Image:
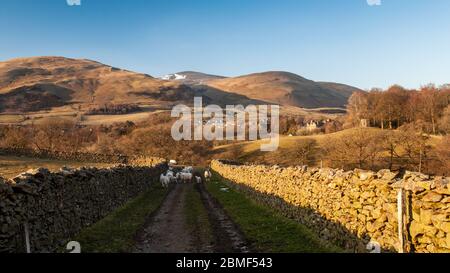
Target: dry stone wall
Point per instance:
(56, 206)
(81, 157)
(353, 208)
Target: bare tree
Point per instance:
(443, 153)
(391, 144)
(14, 137)
(444, 122)
(306, 151)
(357, 148)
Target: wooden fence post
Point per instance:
(401, 247)
(403, 207)
(27, 238)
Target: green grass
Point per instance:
(265, 229)
(197, 219)
(116, 232)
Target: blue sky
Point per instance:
(400, 41)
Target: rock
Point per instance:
(431, 248)
(415, 176)
(24, 187)
(424, 240)
(368, 194)
(430, 231)
(432, 197)
(416, 229)
(443, 191)
(376, 213)
(425, 216)
(357, 205)
(440, 182)
(366, 175)
(426, 185)
(447, 241)
(445, 227)
(386, 175)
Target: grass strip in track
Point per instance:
(266, 230)
(197, 219)
(116, 232)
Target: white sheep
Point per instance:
(165, 181)
(208, 175)
(170, 174)
(186, 177)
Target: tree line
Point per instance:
(397, 106)
(151, 138)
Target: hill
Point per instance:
(286, 88)
(30, 85)
(33, 84)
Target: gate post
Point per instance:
(403, 208)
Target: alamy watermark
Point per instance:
(236, 122)
(73, 2)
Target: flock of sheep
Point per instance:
(186, 175)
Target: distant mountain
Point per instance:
(40, 83)
(286, 88)
(32, 84)
(191, 77)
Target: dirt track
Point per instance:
(167, 230)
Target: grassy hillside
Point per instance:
(287, 152)
(32, 84)
(286, 89)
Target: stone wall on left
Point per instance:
(53, 207)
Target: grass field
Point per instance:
(264, 228)
(11, 119)
(67, 113)
(116, 232)
(109, 119)
(11, 166)
(285, 155)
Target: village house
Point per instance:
(314, 125)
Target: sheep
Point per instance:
(208, 175)
(170, 174)
(186, 177)
(165, 181)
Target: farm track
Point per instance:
(168, 230)
(228, 236)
